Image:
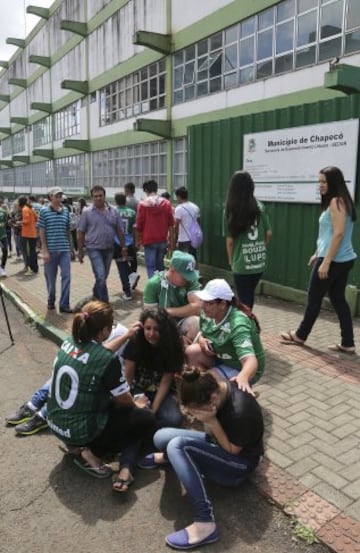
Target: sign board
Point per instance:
(285, 163)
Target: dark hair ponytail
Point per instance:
(93, 317)
(196, 386)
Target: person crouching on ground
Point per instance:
(90, 406)
(229, 339)
(226, 453)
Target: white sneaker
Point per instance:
(126, 297)
(133, 280)
(3, 272)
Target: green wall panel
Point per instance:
(215, 151)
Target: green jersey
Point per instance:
(249, 254)
(85, 376)
(128, 217)
(158, 291)
(234, 338)
(4, 216)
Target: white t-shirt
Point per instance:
(185, 213)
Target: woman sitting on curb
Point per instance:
(226, 453)
(90, 407)
(229, 338)
(151, 358)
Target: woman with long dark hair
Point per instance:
(332, 261)
(151, 358)
(226, 452)
(248, 232)
(90, 407)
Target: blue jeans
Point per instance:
(39, 399)
(194, 457)
(154, 257)
(168, 414)
(100, 264)
(62, 260)
(335, 286)
(245, 287)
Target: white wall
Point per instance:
(186, 12)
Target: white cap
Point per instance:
(216, 289)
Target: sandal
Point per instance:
(290, 337)
(342, 349)
(102, 471)
(125, 483)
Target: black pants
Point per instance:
(29, 250)
(335, 286)
(125, 430)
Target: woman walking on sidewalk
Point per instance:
(332, 261)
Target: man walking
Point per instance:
(129, 278)
(185, 213)
(98, 226)
(54, 227)
(154, 225)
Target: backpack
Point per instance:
(196, 234)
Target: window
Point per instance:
(179, 163)
(137, 93)
(42, 132)
(290, 35)
(67, 121)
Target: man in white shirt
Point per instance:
(185, 213)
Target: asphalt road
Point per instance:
(49, 506)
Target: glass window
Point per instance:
(304, 5)
(202, 47)
(285, 10)
(265, 44)
(247, 27)
(203, 88)
(230, 80)
(189, 73)
(246, 75)
(178, 58)
(190, 53)
(216, 41)
(307, 28)
(330, 49)
(284, 37)
(189, 92)
(305, 57)
(231, 34)
(178, 76)
(353, 14)
(265, 19)
(264, 69)
(331, 19)
(231, 57)
(247, 51)
(352, 42)
(284, 63)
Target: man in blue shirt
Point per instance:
(98, 226)
(54, 229)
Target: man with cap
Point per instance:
(174, 290)
(229, 339)
(54, 229)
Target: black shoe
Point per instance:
(65, 310)
(32, 426)
(50, 306)
(24, 413)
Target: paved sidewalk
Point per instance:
(310, 399)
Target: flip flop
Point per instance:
(125, 483)
(342, 349)
(290, 337)
(97, 472)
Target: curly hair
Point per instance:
(242, 210)
(170, 345)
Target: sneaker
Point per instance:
(28, 272)
(2, 272)
(133, 280)
(24, 413)
(67, 310)
(32, 426)
(126, 297)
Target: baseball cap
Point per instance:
(184, 263)
(216, 289)
(55, 190)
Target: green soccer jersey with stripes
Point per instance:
(85, 377)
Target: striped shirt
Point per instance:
(56, 225)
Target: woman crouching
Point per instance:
(226, 452)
